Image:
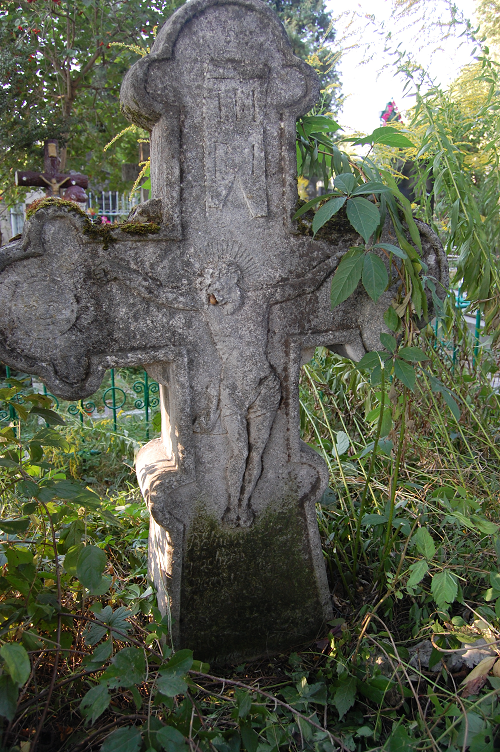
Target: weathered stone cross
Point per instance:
(51, 179)
(221, 305)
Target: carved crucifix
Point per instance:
(222, 305)
(51, 179)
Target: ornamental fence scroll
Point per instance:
(118, 401)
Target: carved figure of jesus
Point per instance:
(236, 309)
(250, 390)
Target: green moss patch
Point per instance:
(139, 228)
(43, 203)
(248, 592)
(104, 233)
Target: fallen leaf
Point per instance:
(482, 669)
(474, 686)
(496, 669)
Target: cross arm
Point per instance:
(41, 180)
(148, 287)
(64, 319)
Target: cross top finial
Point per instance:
(221, 91)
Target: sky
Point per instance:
(366, 86)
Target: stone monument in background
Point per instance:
(211, 287)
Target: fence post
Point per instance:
(12, 412)
(146, 402)
(113, 397)
(146, 388)
(476, 336)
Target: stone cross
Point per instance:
(51, 179)
(214, 289)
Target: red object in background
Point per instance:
(75, 193)
(390, 114)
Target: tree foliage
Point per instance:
(309, 26)
(61, 65)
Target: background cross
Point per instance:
(51, 179)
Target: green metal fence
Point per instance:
(140, 398)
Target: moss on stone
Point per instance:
(105, 233)
(139, 228)
(248, 592)
(102, 233)
(43, 203)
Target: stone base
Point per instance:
(244, 592)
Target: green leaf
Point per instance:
(386, 135)
(317, 124)
(372, 186)
(8, 463)
(243, 702)
(49, 437)
(389, 342)
(374, 519)
(405, 373)
(342, 442)
(424, 542)
(345, 696)
(11, 527)
(326, 212)
(95, 702)
(180, 663)
(17, 662)
(347, 276)
(436, 386)
(115, 619)
(369, 360)
(363, 216)
(451, 403)
(136, 695)
(413, 354)
(390, 248)
(375, 277)
(386, 426)
(128, 739)
(128, 667)
(485, 526)
(99, 656)
(249, 737)
(90, 566)
(170, 685)
(454, 216)
(399, 741)
(418, 572)
(171, 679)
(345, 182)
(49, 416)
(171, 739)
(444, 588)
(8, 697)
(316, 200)
(71, 559)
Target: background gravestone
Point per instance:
(211, 286)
